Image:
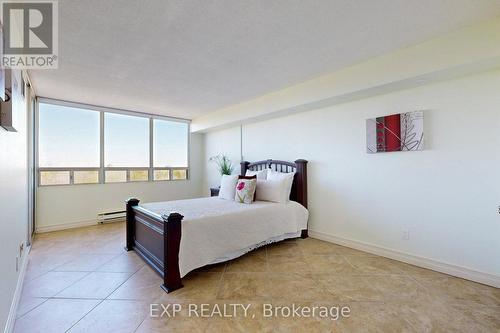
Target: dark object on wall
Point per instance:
(2, 70)
(397, 132)
(157, 240)
(8, 117)
(2, 84)
(23, 87)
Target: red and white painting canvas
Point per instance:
(397, 132)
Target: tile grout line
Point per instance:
(219, 283)
(46, 299)
(84, 276)
(142, 321)
(121, 284)
(132, 275)
(50, 270)
(115, 256)
(101, 300)
(84, 316)
(89, 272)
(81, 278)
(57, 293)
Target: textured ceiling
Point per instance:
(185, 58)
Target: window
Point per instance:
(170, 144)
(81, 144)
(68, 137)
(126, 141)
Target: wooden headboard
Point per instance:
(299, 187)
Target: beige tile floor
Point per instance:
(82, 280)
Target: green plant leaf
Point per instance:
(223, 163)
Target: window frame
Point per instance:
(102, 169)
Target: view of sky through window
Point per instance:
(126, 141)
(68, 137)
(170, 144)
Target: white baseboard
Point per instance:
(11, 319)
(64, 226)
(450, 269)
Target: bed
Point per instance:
(176, 237)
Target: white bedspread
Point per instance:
(213, 228)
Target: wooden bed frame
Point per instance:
(157, 239)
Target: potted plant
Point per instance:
(223, 163)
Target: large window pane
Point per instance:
(68, 137)
(126, 141)
(170, 143)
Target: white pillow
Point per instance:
(261, 174)
(286, 177)
(228, 187)
(271, 190)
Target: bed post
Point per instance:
(172, 242)
(244, 167)
(301, 170)
(130, 227)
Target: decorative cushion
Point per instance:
(228, 187)
(271, 190)
(287, 177)
(249, 177)
(245, 189)
(261, 174)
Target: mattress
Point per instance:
(215, 229)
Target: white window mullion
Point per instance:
(101, 166)
(151, 150)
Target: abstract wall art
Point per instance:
(397, 132)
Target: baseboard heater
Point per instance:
(110, 217)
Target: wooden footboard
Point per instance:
(157, 240)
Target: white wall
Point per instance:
(65, 206)
(225, 142)
(446, 196)
(13, 201)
